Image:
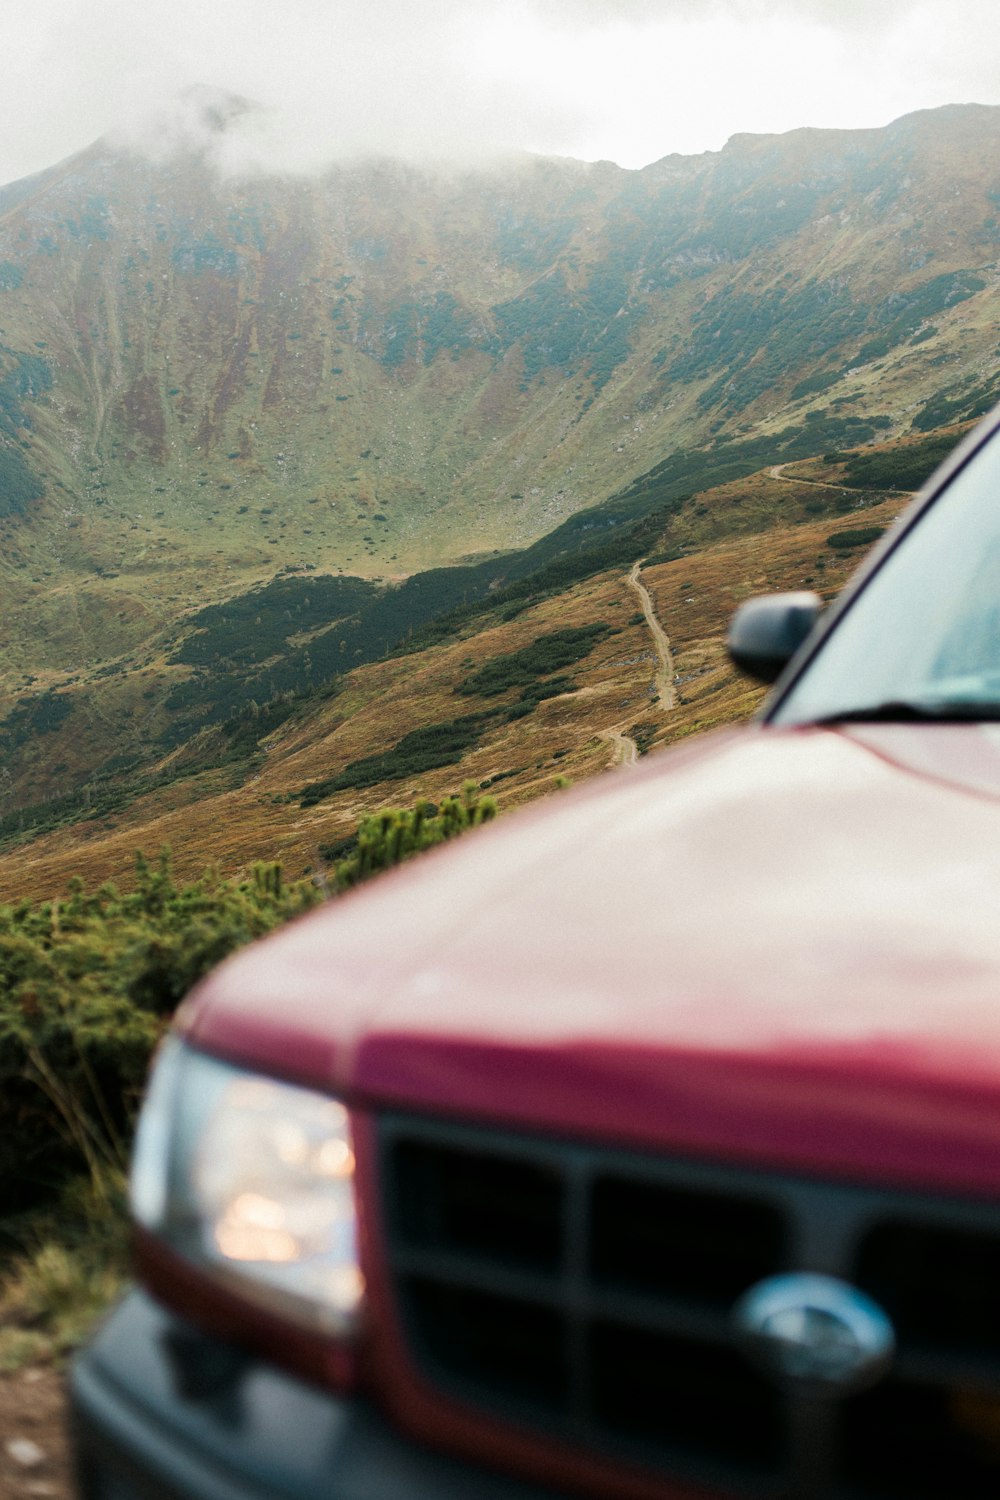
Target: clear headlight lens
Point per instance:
(254, 1180)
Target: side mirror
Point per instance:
(765, 633)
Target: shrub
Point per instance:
(88, 984)
(861, 536)
(390, 837)
(425, 749)
(549, 653)
(903, 468)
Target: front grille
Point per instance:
(584, 1294)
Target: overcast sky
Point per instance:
(626, 80)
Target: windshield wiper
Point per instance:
(915, 711)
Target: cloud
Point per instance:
(852, 15)
(627, 79)
(335, 79)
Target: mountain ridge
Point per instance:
(210, 385)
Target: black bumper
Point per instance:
(160, 1412)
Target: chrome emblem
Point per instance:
(814, 1334)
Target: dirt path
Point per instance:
(777, 471)
(666, 693)
(34, 1460)
(626, 749)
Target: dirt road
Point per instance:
(666, 693)
(777, 471)
(626, 749)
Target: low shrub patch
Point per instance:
(520, 669)
(861, 536)
(425, 749)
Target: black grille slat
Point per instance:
(655, 1388)
(902, 1441)
(472, 1276)
(585, 1293)
(683, 1244)
(939, 1284)
(479, 1204)
(507, 1348)
(586, 1300)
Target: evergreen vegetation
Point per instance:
(554, 325)
(88, 984)
(903, 468)
(859, 536)
(22, 377)
(753, 341)
(688, 471)
(547, 654)
(425, 749)
(443, 744)
(390, 837)
(243, 650)
(959, 404)
(18, 485)
(33, 716)
(258, 625)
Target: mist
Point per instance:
(472, 80)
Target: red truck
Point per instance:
(644, 1145)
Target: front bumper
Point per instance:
(162, 1412)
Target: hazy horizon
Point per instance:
(629, 81)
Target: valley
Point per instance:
(285, 464)
(251, 805)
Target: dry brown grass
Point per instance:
(696, 595)
(208, 821)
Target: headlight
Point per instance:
(253, 1180)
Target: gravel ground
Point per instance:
(34, 1458)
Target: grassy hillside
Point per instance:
(265, 444)
(205, 381)
(220, 678)
(512, 692)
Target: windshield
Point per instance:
(923, 637)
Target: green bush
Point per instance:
(86, 986)
(861, 536)
(903, 468)
(426, 749)
(549, 653)
(392, 836)
(89, 982)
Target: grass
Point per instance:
(521, 669)
(69, 1246)
(720, 547)
(68, 1268)
(58, 1279)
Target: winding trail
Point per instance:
(626, 751)
(625, 747)
(666, 693)
(777, 471)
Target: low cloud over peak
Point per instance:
(466, 80)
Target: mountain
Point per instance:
(556, 676)
(236, 412)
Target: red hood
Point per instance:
(784, 943)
